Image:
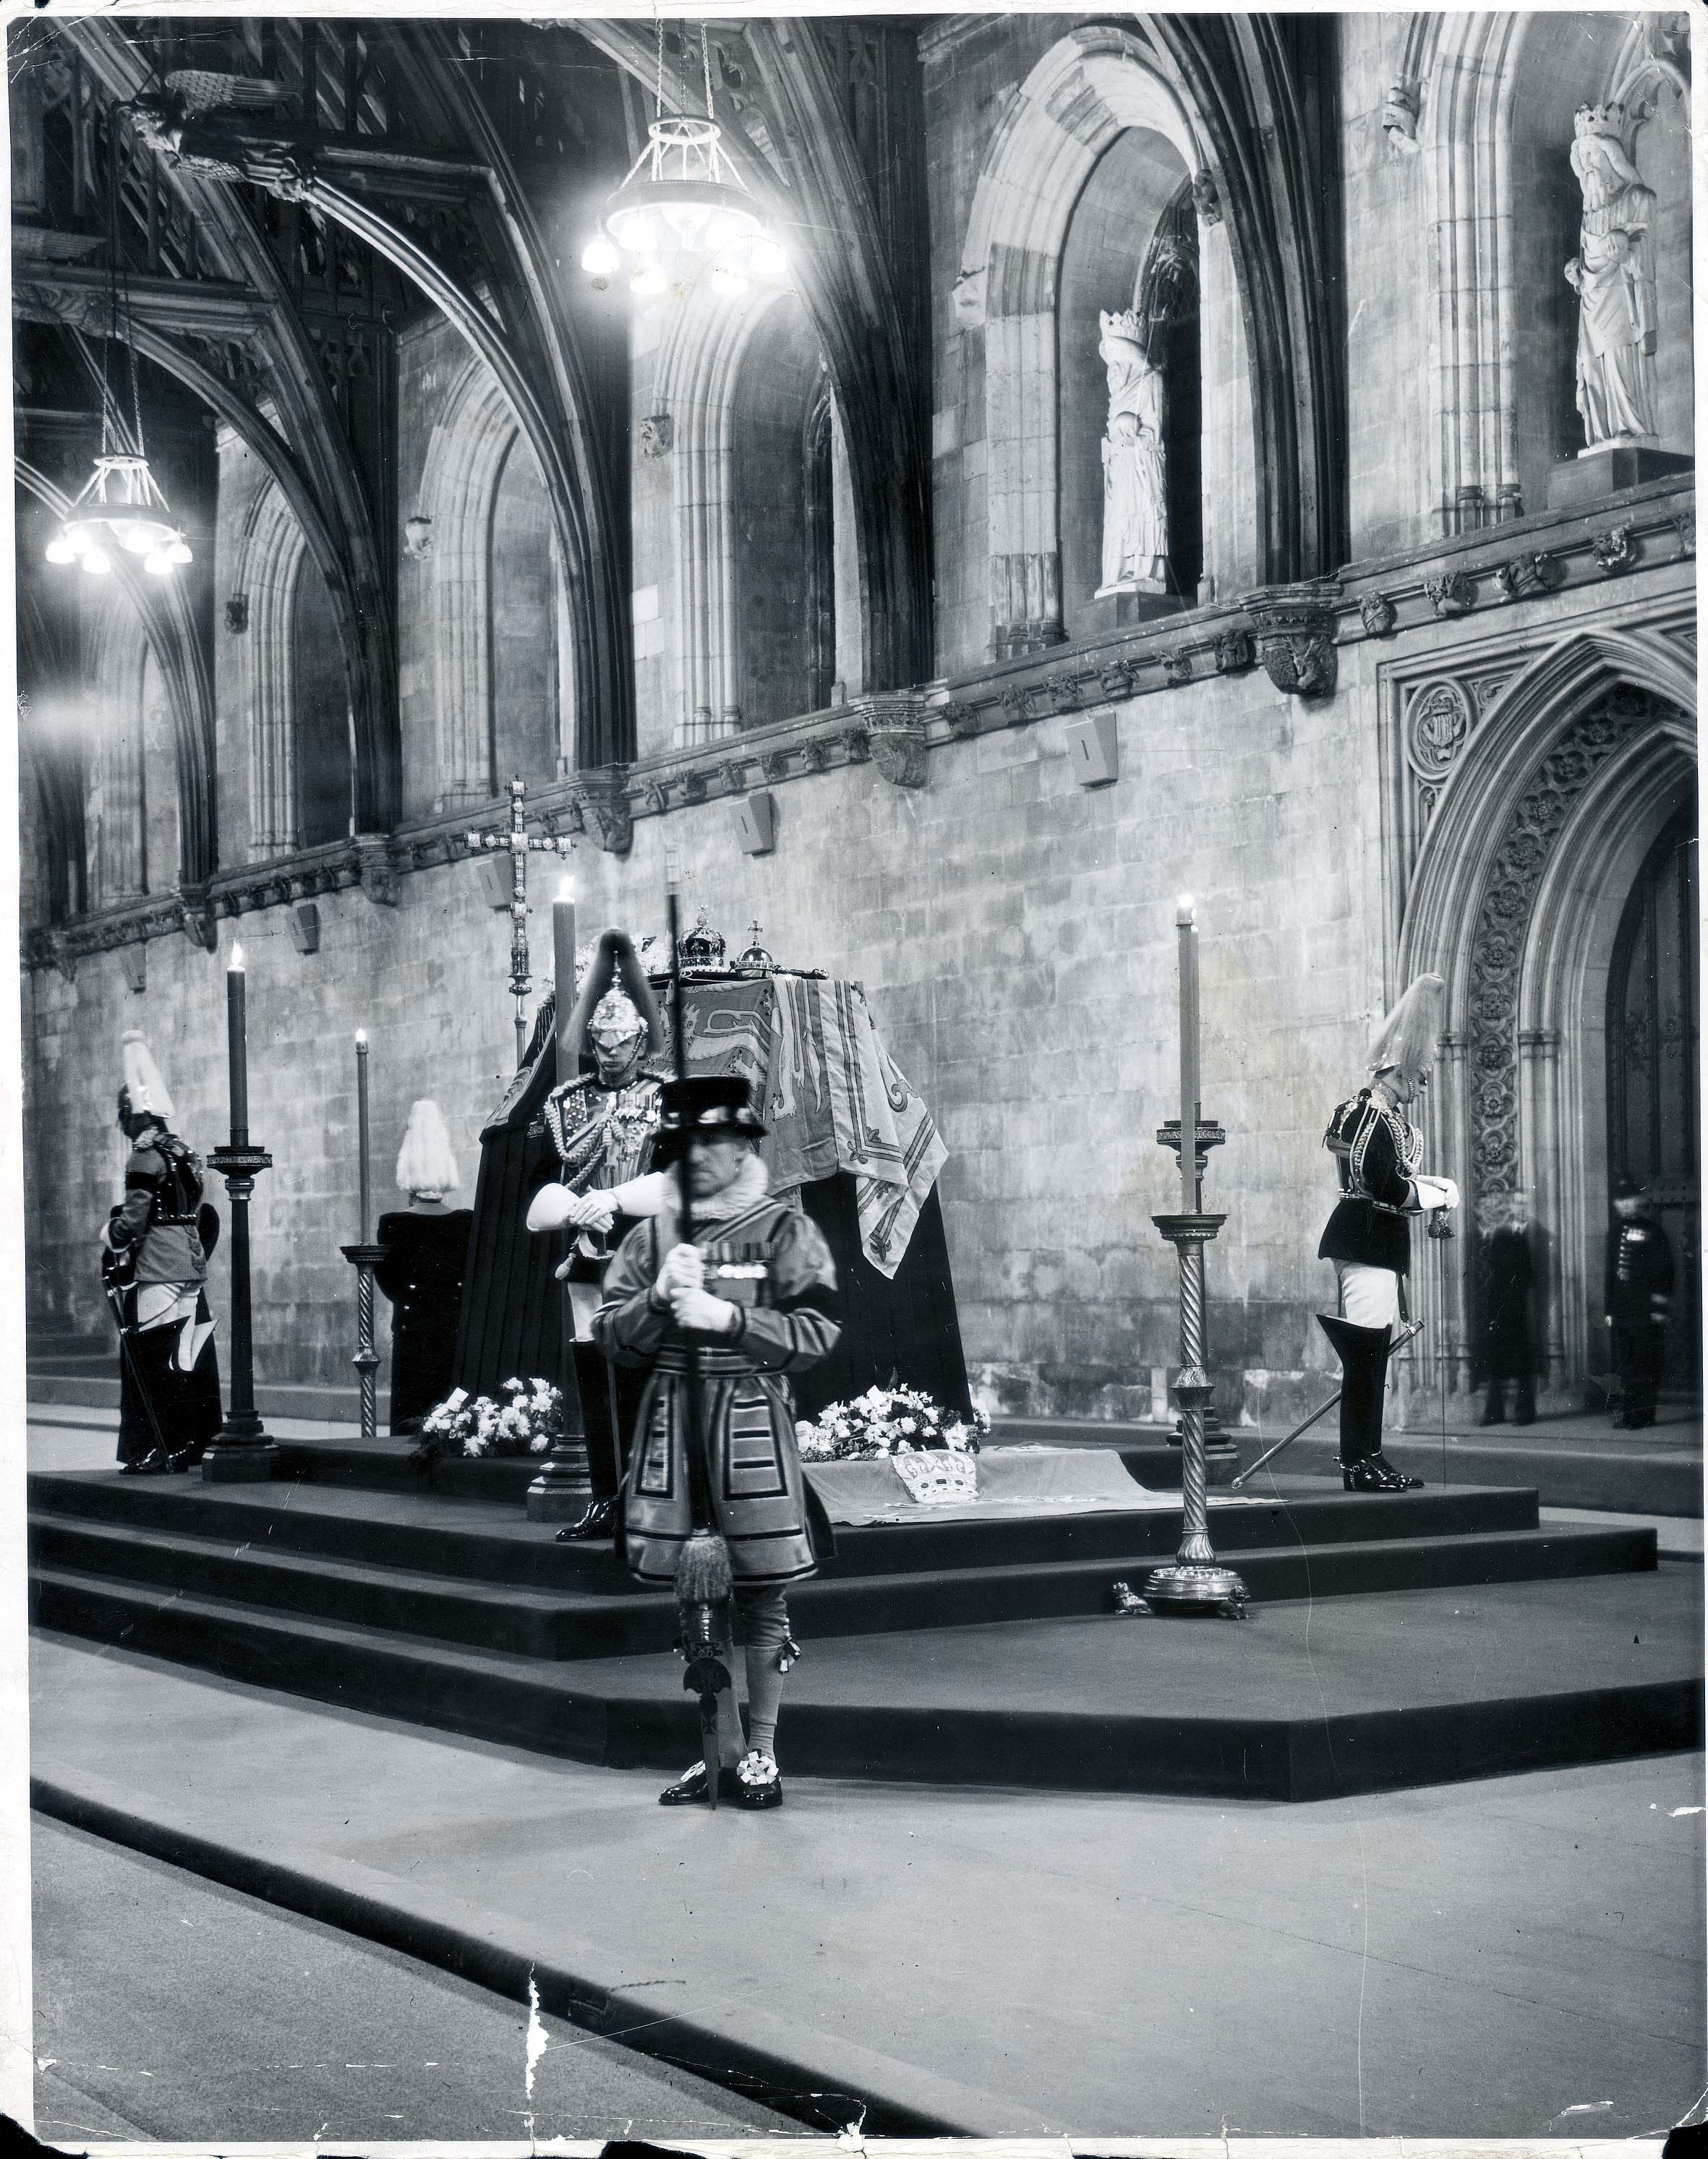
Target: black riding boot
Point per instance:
(1363, 1354)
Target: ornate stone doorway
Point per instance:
(1548, 805)
(1653, 1070)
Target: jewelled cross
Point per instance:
(520, 844)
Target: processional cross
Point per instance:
(520, 844)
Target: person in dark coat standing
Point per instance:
(1379, 1157)
(427, 1256)
(1639, 1302)
(1506, 1283)
(154, 1267)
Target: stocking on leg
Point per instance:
(764, 1629)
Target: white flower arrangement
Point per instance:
(478, 1427)
(894, 1420)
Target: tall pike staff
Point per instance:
(704, 1581)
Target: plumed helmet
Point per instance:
(1407, 1040)
(425, 1163)
(615, 1018)
(716, 1106)
(144, 1094)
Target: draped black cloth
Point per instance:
(908, 1325)
(426, 1255)
(514, 1321)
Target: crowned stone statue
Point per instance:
(1135, 497)
(1613, 277)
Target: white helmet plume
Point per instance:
(425, 1163)
(1407, 1040)
(143, 1085)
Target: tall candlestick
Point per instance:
(1186, 923)
(237, 1044)
(362, 1128)
(242, 1453)
(563, 973)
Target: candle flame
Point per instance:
(236, 960)
(566, 888)
(1185, 911)
(361, 1037)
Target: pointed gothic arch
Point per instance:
(1539, 829)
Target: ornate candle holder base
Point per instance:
(563, 1491)
(1190, 1589)
(234, 1460)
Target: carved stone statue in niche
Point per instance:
(1135, 490)
(1613, 277)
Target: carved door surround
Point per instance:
(1515, 824)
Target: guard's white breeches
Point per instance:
(1369, 1296)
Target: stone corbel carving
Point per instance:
(1294, 627)
(1378, 614)
(1450, 593)
(1176, 667)
(1116, 680)
(658, 435)
(855, 744)
(1234, 652)
(815, 756)
(376, 868)
(693, 785)
(237, 614)
(734, 774)
(196, 918)
(1400, 108)
(1613, 550)
(601, 797)
(1206, 197)
(418, 536)
(1524, 576)
(775, 765)
(656, 799)
(968, 299)
(899, 753)
(63, 959)
(962, 720)
(1684, 525)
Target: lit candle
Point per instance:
(563, 973)
(237, 1044)
(1186, 923)
(362, 1128)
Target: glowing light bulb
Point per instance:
(179, 551)
(60, 550)
(134, 538)
(97, 561)
(157, 563)
(600, 259)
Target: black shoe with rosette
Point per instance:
(690, 1789)
(598, 1521)
(153, 1463)
(759, 1781)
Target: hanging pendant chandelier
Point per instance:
(121, 507)
(684, 205)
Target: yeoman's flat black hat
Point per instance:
(712, 1107)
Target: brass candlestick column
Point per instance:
(241, 1452)
(1195, 1582)
(364, 1256)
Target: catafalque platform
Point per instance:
(1395, 1640)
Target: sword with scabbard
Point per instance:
(705, 1583)
(113, 1286)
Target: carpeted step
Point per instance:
(473, 1541)
(1213, 1737)
(540, 1622)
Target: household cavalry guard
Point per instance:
(1639, 1303)
(600, 1123)
(1378, 1156)
(154, 1269)
(754, 1295)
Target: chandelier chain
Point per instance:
(706, 67)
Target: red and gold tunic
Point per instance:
(773, 1264)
